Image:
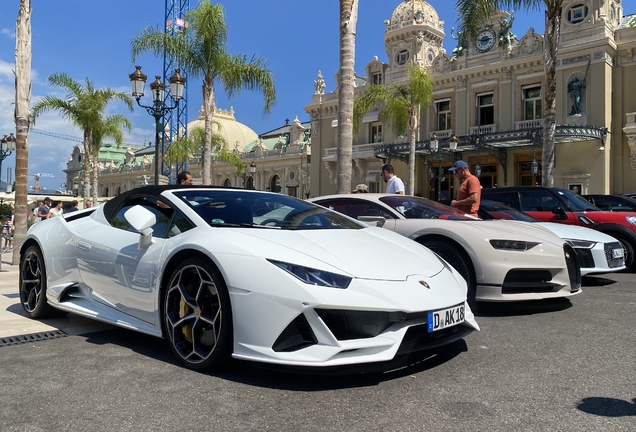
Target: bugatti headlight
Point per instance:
(313, 276)
(584, 244)
(514, 245)
(631, 219)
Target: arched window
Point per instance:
(227, 183)
(105, 192)
(274, 184)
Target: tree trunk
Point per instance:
(208, 108)
(22, 121)
(346, 86)
(413, 124)
(95, 178)
(551, 43)
(88, 138)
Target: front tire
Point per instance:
(198, 316)
(33, 284)
(457, 258)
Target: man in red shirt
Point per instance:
(469, 193)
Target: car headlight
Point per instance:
(515, 245)
(631, 219)
(314, 276)
(581, 243)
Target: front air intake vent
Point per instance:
(574, 267)
(297, 335)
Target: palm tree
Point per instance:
(348, 21)
(22, 121)
(183, 148)
(401, 104)
(84, 107)
(109, 128)
(474, 13)
(201, 51)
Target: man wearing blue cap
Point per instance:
(469, 193)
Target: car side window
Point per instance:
(179, 225)
(162, 211)
(355, 209)
(537, 201)
(507, 198)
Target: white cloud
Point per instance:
(10, 33)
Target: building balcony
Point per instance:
(528, 124)
(358, 152)
(443, 133)
(483, 129)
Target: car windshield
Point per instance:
(235, 208)
(496, 210)
(422, 208)
(574, 202)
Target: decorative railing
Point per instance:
(358, 150)
(443, 133)
(525, 124)
(483, 129)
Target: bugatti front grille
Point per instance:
(585, 257)
(609, 254)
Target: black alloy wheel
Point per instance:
(459, 261)
(33, 284)
(198, 316)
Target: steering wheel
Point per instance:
(269, 221)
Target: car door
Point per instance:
(541, 204)
(118, 273)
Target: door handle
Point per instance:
(84, 246)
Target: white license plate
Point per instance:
(445, 318)
(618, 253)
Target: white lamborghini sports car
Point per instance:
(500, 260)
(252, 275)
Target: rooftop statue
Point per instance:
(506, 37)
(462, 43)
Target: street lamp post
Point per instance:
(438, 152)
(252, 168)
(158, 108)
(7, 146)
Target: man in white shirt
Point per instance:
(393, 183)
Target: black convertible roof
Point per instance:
(111, 206)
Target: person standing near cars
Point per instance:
(469, 193)
(56, 210)
(393, 183)
(43, 211)
(73, 206)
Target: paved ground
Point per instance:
(548, 366)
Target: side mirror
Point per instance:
(558, 210)
(373, 220)
(141, 219)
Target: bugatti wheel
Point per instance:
(198, 316)
(460, 262)
(33, 284)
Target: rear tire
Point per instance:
(457, 258)
(198, 316)
(33, 284)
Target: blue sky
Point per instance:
(92, 39)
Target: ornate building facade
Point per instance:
(277, 160)
(489, 94)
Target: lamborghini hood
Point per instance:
(370, 253)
